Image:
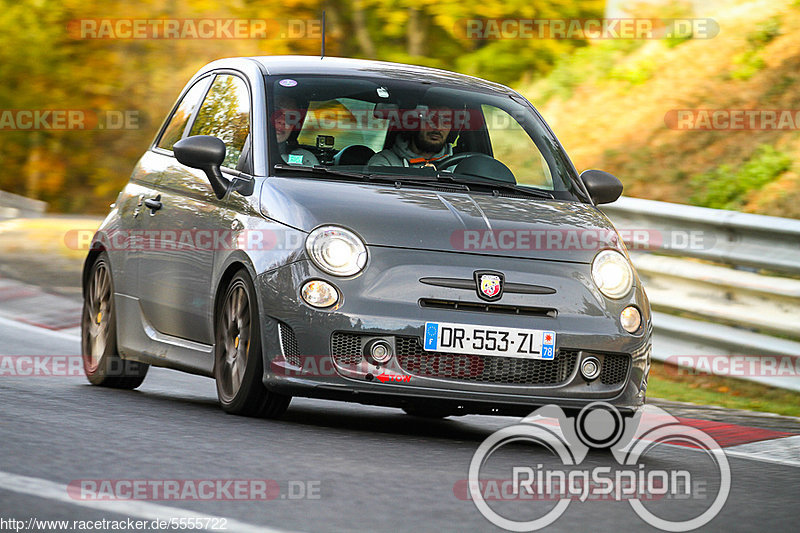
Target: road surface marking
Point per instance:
(36, 329)
(785, 451)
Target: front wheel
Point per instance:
(101, 361)
(238, 361)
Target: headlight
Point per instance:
(612, 274)
(336, 250)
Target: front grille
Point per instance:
(489, 308)
(615, 369)
(483, 369)
(346, 348)
(289, 344)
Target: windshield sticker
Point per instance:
(383, 92)
(287, 83)
(295, 159)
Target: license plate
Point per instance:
(483, 340)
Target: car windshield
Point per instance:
(414, 130)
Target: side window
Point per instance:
(225, 113)
(174, 130)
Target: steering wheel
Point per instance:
(457, 158)
(478, 165)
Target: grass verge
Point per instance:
(682, 385)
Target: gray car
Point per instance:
(367, 232)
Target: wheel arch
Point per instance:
(268, 326)
(233, 265)
(88, 263)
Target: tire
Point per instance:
(238, 359)
(101, 361)
(426, 413)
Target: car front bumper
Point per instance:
(319, 352)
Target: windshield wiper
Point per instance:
(398, 180)
(319, 169)
(536, 193)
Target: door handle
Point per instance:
(153, 204)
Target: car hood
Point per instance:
(425, 219)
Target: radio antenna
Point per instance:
(322, 53)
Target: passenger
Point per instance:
(287, 145)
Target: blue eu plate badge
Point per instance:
(431, 335)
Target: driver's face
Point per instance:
(434, 130)
(436, 136)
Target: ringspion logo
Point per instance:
(600, 425)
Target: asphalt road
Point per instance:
(362, 468)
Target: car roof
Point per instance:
(340, 66)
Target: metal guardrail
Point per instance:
(730, 237)
(702, 346)
(705, 312)
(14, 206)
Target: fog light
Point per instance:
(380, 351)
(590, 368)
(631, 319)
(319, 293)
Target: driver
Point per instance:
(287, 146)
(418, 148)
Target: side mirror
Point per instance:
(603, 187)
(206, 153)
